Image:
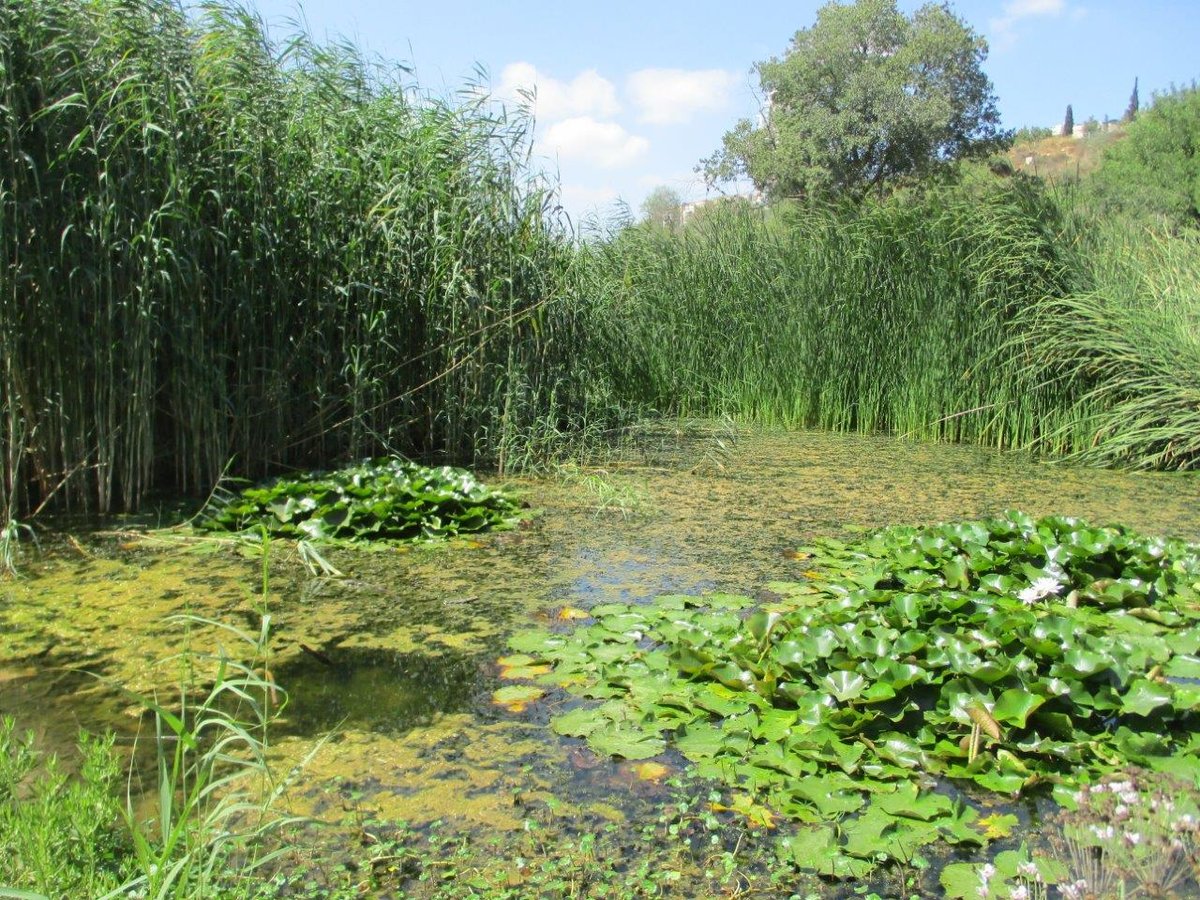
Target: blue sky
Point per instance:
(632, 94)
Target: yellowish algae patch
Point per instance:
(421, 776)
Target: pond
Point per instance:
(394, 664)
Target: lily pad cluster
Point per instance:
(378, 499)
(1011, 655)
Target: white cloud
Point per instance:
(603, 144)
(1003, 28)
(674, 96)
(587, 94)
(581, 200)
(688, 184)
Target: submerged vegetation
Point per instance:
(1012, 655)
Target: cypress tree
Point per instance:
(1069, 122)
(1131, 112)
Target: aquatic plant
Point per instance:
(383, 498)
(1011, 655)
(213, 787)
(1130, 348)
(884, 317)
(10, 545)
(1133, 833)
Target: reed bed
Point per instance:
(886, 317)
(218, 247)
(1128, 348)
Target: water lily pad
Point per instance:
(1146, 696)
(626, 741)
(516, 697)
(651, 771)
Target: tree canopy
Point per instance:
(863, 99)
(663, 207)
(1155, 169)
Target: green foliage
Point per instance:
(663, 207)
(218, 245)
(213, 787)
(1128, 348)
(873, 317)
(1031, 133)
(384, 498)
(1069, 122)
(1010, 654)
(864, 98)
(1155, 170)
(60, 836)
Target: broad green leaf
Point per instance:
(1145, 696)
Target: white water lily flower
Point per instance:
(1041, 587)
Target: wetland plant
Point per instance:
(60, 835)
(375, 500)
(175, 184)
(1010, 657)
(213, 789)
(195, 827)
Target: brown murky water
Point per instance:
(406, 642)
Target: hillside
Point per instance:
(1055, 158)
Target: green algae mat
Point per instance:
(907, 678)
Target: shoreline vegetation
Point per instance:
(221, 247)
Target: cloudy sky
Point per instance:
(631, 95)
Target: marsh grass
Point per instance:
(201, 823)
(885, 317)
(211, 794)
(213, 789)
(1129, 350)
(215, 245)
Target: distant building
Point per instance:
(1082, 128)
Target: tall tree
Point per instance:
(1132, 110)
(1069, 122)
(863, 99)
(663, 207)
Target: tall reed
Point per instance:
(887, 317)
(1128, 347)
(215, 245)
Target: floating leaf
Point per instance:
(516, 697)
(841, 702)
(1146, 696)
(572, 614)
(625, 741)
(1014, 707)
(998, 825)
(744, 805)
(651, 771)
(844, 685)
